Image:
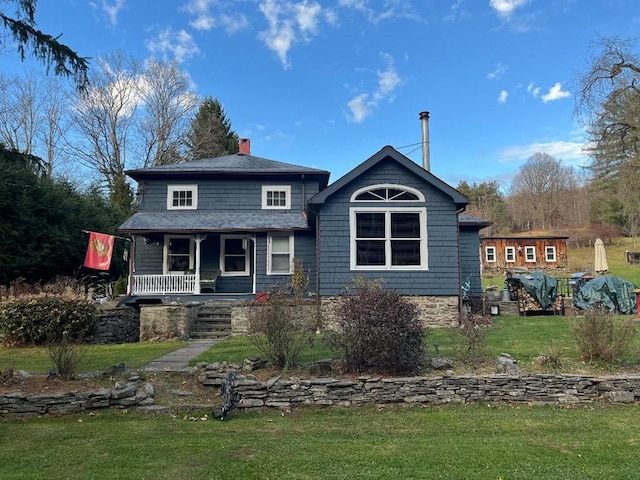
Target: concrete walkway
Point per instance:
(178, 360)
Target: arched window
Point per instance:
(387, 193)
(390, 233)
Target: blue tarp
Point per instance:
(540, 286)
(615, 293)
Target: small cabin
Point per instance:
(534, 252)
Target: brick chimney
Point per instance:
(245, 146)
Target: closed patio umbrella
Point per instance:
(600, 265)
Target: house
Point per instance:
(528, 250)
(230, 227)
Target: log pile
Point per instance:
(527, 303)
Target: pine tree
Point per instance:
(211, 134)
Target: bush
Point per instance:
(469, 338)
(43, 318)
(602, 336)
(120, 287)
(66, 356)
(379, 330)
(278, 329)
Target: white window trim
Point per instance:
(224, 273)
(550, 258)
(165, 254)
(270, 252)
(513, 254)
(180, 188)
(491, 249)
(418, 193)
(529, 248)
(276, 188)
(424, 261)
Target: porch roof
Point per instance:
(172, 222)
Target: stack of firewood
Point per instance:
(527, 302)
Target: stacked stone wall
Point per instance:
(117, 325)
(167, 321)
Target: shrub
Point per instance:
(469, 337)
(120, 287)
(379, 330)
(601, 336)
(66, 356)
(279, 330)
(42, 318)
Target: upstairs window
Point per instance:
(182, 197)
(490, 254)
(276, 197)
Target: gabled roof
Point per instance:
(199, 221)
(389, 152)
(237, 164)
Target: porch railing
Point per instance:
(163, 284)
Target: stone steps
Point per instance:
(213, 321)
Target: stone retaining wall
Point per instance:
(125, 393)
(117, 325)
(281, 392)
(167, 321)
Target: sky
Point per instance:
(328, 83)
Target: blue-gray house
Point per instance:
(232, 226)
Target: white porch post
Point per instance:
(198, 240)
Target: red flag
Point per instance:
(99, 251)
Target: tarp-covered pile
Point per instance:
(614, 293)
(542, 287)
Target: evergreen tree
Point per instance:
(211, 134)
(42, 46)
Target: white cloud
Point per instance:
(571, 152)
(178, 45)
(206, 19)
(533, 90)
(290, 23)
(505, 8)
(502, 98)
(497, 73)
(110, 10)
(390, 9)
(555, 93)
(456, 12)
(389, 80)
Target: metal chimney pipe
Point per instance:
(424, 119)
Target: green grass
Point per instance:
(438, 442)
(98, 357)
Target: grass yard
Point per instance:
(441, 442)
(97, 357)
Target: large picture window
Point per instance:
(392, 238)
(280, 254)
(182, 197)
(234, 256)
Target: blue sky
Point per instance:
(328, 83)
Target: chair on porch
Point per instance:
(208, 279)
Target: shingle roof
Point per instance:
(470, 220)
(198, 221)
(237, 164)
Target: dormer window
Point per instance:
(182, 197)
(276, 197)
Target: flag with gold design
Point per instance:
(99, 251)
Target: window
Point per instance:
(490, 254)
(530, 254)
(178, 254)
(510, 254)
(280, 254)
(182, 197)
(550, 254)
(387, 193)
(234, 256)
(393, 238)
(276, 197)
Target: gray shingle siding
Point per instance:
(226, 194)
(442, 277)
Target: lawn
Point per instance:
(97, 357)
(437, 442)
